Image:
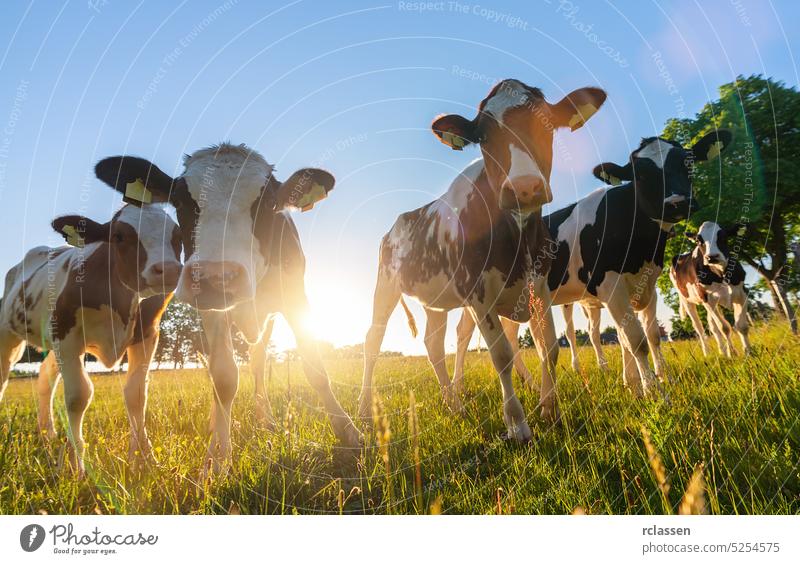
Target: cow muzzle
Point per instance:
(527, 193)
(163, 276)
(215, 285)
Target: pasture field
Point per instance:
(737, 420)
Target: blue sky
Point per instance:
(350, 86)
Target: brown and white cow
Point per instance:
(244, 264)
(610, 245)
(104, 296)
(482, 244)
(711, 276)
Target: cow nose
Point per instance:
(527, 191)
(166, 274)
(218, 285)
(713, 258)
(226, 278)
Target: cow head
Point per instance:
(145, 246)
(514, 128)
(712, 243)
(662, 173)
(226, 201)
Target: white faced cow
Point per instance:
(244, 263)
(104, 297)
(610, 244)
(710, 276)
(482, 244)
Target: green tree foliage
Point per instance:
(756, 182)
(180, 340)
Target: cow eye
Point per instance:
(117, 237)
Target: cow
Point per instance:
(104, 296)
(610, 245)
(244, 264)
(711, 276)
(483, 243)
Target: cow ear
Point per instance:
(577, 107)
(78, 230)
(737, 229)
(613, 173)
(455, 131)
(711, 145)
(139, 180)
(303, 189)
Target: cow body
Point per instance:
(611, 243)
(105, 298)
(483, 244)
(244, 265)
(710, 277)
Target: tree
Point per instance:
(756, 182)
(180, 338)
(526, 341)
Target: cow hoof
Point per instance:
(550, 413)
(48, 432)
(350, 437)
(453, 402)
(365, 409)
(520, 433)
(265, 421)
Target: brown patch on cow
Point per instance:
(85, 289)
(148, 317)
(684, 273)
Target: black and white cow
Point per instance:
(610, 244)
(104, 296)
(710, 276)
(244, 264)
(483, 243)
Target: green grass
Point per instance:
(739, 418)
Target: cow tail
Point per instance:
(411, 323)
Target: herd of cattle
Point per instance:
(483, 246)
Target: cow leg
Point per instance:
(78, 392)
(502, 358)
(139, 357)
(258, 361)
(11, 350)
(570, 333)
(466, 326)
(45, 386)
(718, 326)
(511, 329)
(344, 429)
(630, 372)
(543, 331)
(632, 335)
(225, 380)
(650, 322)
(593, 316)
(691, 310)
(741, 322)
(435, 328)
(387, 294)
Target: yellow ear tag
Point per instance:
(72, 236)
(584, 113)
(714, 150)
(613, 180)
(138, 192)
(453, 141)
(314, 195)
